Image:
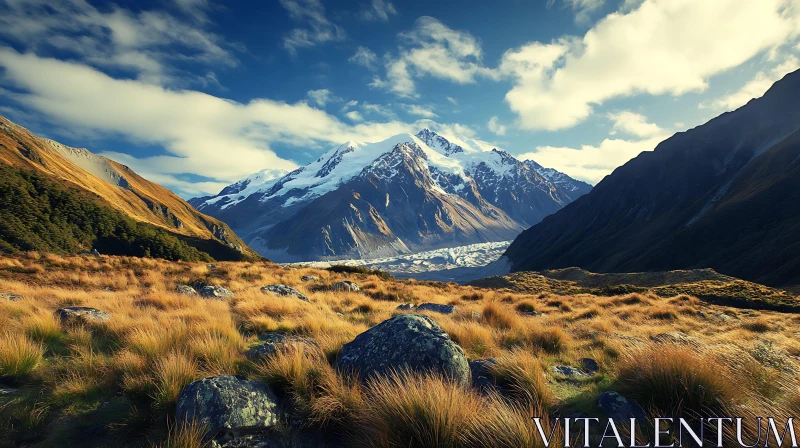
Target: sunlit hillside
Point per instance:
(116, 382)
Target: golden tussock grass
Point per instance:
(157, 341)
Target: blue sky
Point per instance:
(196, 94)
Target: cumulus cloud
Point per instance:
(754, 88)
(433, 49)
(142, 43)
(318, 29)
(377, 10)
(364, 56)
(418, 110)
(452, 101)
(354, 115)
(496, 127)
(322, 97)
(591, 163)
(661, 47)
(634, 124)
(583, 9)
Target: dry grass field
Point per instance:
(116, 383)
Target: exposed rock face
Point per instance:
(346, 286)
(618, 407)
(216, 292)
(76, 314)
(406, 341)
(309, 278)
(270, 343)
(590, 365)
(229, 405)
(569, 372)
(186, 290)
(437, 308)
(283, 290)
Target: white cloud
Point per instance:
(452, 101)
(754, 88)
(583, 8)
(377, 10)
(319, 29)
(378, 109)
(431, 48)
(220, 139)
(662, 47)
(634, 124)
(496, 127)
(354, 115)
(418, 110)
(142, 43)
(322, 97)
(364, 56)
(348, 105)
(591, 163)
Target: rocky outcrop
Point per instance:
(309, 278)
(186, 290)
(346, 286)
(229, 406)
(618, 407)
(270, 343)
(216, 292)
(437, 308)
(81, 314)
(283, 290)
(405, 342)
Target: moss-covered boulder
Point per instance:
(405, 342)
(228, 405)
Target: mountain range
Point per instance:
(401, 195)
(724, 195)
(63, 199)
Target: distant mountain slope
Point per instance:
(404, 194)
(724, 195)
(110, 186)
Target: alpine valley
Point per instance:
(406, 194)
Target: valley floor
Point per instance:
(116, 382)
(460, 263)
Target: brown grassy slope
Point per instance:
(705, 284)
(125, 374)
(140, 199)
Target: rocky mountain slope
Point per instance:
(724, 195)
(104, 186)
(405, 194)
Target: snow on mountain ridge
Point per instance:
(452, 167)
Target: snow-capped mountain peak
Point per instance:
(439, 143)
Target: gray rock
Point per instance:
(186, 290)
(309, 278)
(283, 290)
(590, 365)
(10, 296)
(345, 286)
(437, 308)
(7, 392)
(568, 371)
(482, 377)
(405, 307)
(229, 405)
(212, 266)
(95, 252)
(75, 314)
(270, 343)
(476, 315)
(406, 341)
(216, 292)
(618, 407)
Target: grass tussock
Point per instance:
(19, 356)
